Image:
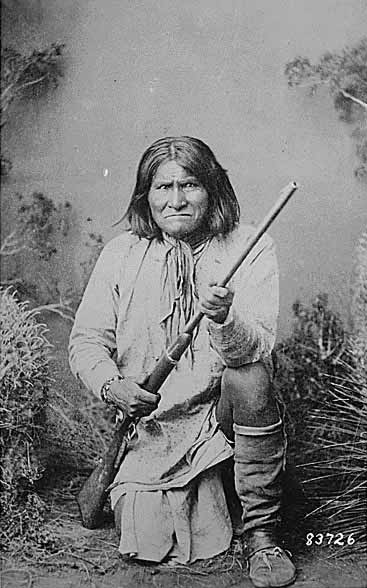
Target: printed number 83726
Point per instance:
(329, 538)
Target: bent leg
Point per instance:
(248, 413)
(246, 398)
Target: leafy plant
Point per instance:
(37, 238)
(26, 75)
(21, 73)
(38, 219)
(322, 376)
(337, 471)
(24, 388)
(345, 76)
(359, 304)
(94, 245)
(307, 359)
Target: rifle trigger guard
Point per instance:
(131, 432)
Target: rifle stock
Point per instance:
(92, 497)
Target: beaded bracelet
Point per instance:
(106, 387)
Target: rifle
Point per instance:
(92, 497)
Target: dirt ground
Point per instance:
(90, 559)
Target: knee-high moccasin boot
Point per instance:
(258, 466)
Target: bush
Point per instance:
(344, 74)
(77, 431)
(337, 471)
(36, 258)
(33, 253)
(306, 360)
(24, 386)
(359, 305)
(322, 377)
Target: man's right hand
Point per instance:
(132, 399)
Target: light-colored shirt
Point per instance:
(120, 314)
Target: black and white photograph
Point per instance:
(183, 294)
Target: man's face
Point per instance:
(177, 200)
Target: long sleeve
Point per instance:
(249, 332)
(93, 337)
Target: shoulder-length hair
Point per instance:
(198, 160)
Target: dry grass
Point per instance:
(337, 473)
(24, 387)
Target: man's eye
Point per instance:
(190, 185)
(162, 187)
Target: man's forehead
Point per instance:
(171, 171)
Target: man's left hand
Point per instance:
(216, 302)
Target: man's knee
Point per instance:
(248, 385)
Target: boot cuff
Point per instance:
(257, 431)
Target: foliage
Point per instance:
(77, 430)
(6, 165)
(337, 472)
(326, 384)
(48, 428)
(26, 75)
(94, 245)
(345, 76)
(307, 358)
(34, 256)
(344, 419)
(322, 377)
(75, 427)
(39, 232)
(20, 73)
(38, 220)
(24, 386)
(359, 303)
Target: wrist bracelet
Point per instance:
(106, 387)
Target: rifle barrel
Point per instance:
(284, 196)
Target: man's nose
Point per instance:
(177, 197)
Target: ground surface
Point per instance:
(92, 561)
(83, 558)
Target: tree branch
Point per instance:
(10, 282)
(346, 94)
(12, 251)
(312, 83)
(22, 86)
(356, 100)
(59, 309)
(6, 91)
(12, 244)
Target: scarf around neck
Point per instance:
(179, 294)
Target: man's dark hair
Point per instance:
(198, 160)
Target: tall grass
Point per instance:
(338, 474)
(315, 350)
(24, 387)
(358, 340)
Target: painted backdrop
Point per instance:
(140, 69)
